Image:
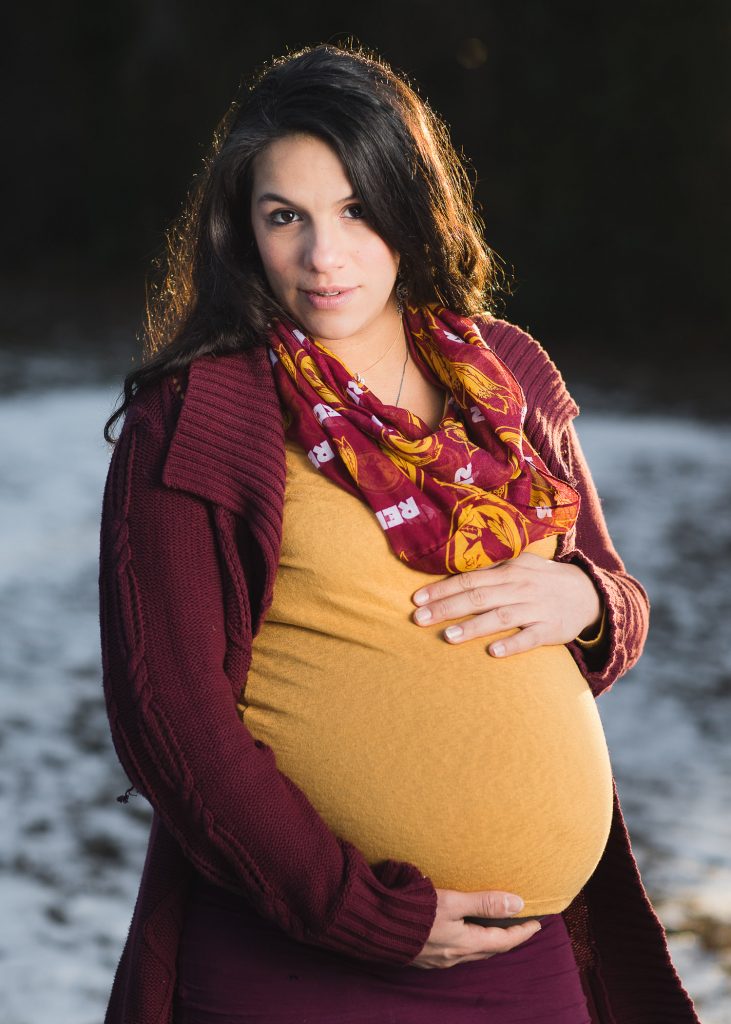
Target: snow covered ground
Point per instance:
(70, 855)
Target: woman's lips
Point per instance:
(329, 301)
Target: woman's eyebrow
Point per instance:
(274, 198)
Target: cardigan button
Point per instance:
(259, 743)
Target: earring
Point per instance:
(402, 294)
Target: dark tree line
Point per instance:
(598, 136)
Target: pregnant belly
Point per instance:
(486, 774)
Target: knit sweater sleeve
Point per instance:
(625, 601)
(549, 424)
(241, 822)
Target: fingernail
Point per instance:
(498, 650)
(513, 904)
(453, 632)
(423, 615)
(420, 596)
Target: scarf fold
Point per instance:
(468, 494)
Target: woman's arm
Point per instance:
(625, 601)
(240, 821)
(551, 410)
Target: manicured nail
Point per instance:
(498, 650)
(423, 615)
(453, 632)
(421, 596)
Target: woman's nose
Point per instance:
(324, 249)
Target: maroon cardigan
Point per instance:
(190, 538)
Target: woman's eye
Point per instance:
(277, 213)
(357, 206)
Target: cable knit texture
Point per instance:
(190, 537)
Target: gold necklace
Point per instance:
(359, 374)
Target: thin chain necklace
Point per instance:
(359, 374)
(403, 374)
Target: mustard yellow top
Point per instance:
(487, 773)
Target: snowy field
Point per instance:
(71, 856)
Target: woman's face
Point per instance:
(311, 235)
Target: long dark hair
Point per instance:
(209, 295)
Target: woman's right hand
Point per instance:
(453, 941)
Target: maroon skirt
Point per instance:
(234, 967)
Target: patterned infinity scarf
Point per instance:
(468, 494)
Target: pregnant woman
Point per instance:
(357, 601)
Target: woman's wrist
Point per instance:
(593, 634)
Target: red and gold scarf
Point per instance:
(468, 494)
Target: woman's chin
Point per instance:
(329, 325)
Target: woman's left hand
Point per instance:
(549, 602)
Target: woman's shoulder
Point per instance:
(514, 344)
(206, 382)
(205, 430)
(542, 382)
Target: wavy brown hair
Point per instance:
(208, 293)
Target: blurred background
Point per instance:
(597, 138)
